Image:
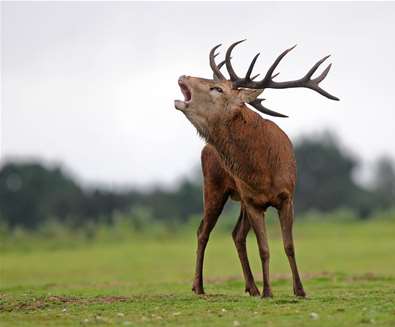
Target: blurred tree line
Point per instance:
(32, 193)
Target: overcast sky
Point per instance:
(91, 85)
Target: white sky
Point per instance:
(92, 84)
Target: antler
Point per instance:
(258, 106)
(267, 82)
(217, 75)
(216, 69)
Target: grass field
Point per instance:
(348, 270)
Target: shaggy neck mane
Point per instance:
(232, 138)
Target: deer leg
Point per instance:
(212, 209)
(239, 235)
(286, 216)
(258, 225)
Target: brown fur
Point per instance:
(249, 159)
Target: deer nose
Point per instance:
(181, 78)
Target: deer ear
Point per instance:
(248, 95)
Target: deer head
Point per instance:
(208, 101)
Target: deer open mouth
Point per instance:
(185, 91)
(179, 104)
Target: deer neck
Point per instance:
(233, 138)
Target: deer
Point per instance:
(246, 158)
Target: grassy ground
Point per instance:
(348, 272)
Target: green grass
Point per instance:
(348, 272)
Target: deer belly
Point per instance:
(235, 196)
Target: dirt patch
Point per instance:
(109, 284)
(43, 302)
(77, 300)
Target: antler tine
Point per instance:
(315, 67)
(314, 83)
(258, 106)
(222, 63)
(270, 72)
(323, 74)
(232, 74)
(249, 71)
(255, 76)
(275, 75)
(219, 67)
(325, 93)
(214, 67)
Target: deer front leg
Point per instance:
(239, 235)
(256, 219)
(213, 206)
(286, 216)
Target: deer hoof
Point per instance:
(253, 291)
(267, 293)
(198, 290)
(299, 292)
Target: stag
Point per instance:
(246, 158)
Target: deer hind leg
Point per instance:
(286, 216)
(239, 235)
(256, 219)
(214, 202)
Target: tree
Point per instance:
(325, 179)
(31, 193)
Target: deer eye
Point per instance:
(216, 88)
